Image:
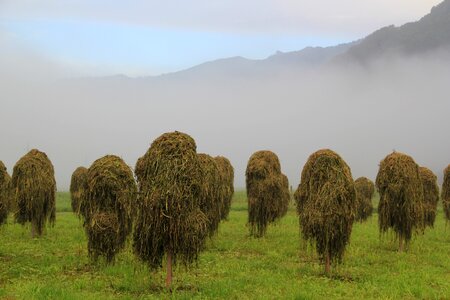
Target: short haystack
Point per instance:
(446, 193)
(227, 179)
(430, 195)
(107, 206)
(34, 191)
(5, 193)
(78, 187)
(401, 197)
(212, 198)
(365, 189)
(266, 191)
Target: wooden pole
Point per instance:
(327, 264)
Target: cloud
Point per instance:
(347, 18)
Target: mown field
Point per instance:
(234, 266)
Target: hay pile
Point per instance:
(364, 192)
(139, 170)
(446, 193)
(107, 206)
(326, 204)
(78, 186)
(286, 196)
(211, 199)
(266, 191)
(5, 193)
(430, 195)
(34, 191)
(401, 197)
(169, 221)
(227, 179)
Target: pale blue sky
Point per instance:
(137, 38)
(140, 50)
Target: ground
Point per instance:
(234, 265)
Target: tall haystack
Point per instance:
(365, 189)
(401, 197)
(266, 191)
(211, 199)
(78, 186)
(170, 222)
(430, 195)
(34, 191)
(5, 193)
(446, 193)
(227, 179)
(108, 203)
(326, 204)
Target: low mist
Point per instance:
(361, 112)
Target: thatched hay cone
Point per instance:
(446, 193)
(326, 204)
(170, 221)
(5, 193)
(430, 195)
(227, 179)
(401, 197)
(266, 191)
(211, 199)
(34, 191)
(365, 189)
(78, 186)
(107, 206)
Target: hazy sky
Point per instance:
(152, 37)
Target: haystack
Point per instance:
(401, 197)
(286, 196)
(266, 191)
(364, 192)
(430, 195)
(211, 199)
(139, 170)
(78, 187)
(446, 193)
(34, 191)
(5, 193)
(170, 221)
(107, 206)
(326, 204)
(227, 179)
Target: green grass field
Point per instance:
(234, 266)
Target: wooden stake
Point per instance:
(327, 264)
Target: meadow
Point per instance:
(233, 266)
